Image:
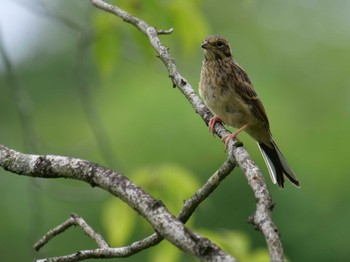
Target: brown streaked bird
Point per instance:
(229, 94)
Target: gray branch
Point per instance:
(153, 210)
(152, 240)
(73, 220)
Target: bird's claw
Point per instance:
(228, 137)
(212, 122)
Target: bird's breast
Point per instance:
(220, 96)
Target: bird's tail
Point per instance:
(277, 164)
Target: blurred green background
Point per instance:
(87, 85)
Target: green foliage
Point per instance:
(188, 23)
(112, 38)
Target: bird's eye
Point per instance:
(219, 44)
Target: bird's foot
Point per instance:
(228, 137)
(212, 122)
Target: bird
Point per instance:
(229, 94)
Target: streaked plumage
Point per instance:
(229, 94)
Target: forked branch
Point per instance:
(153, 210)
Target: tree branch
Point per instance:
(262, 218)
(213, 182)
(152, 240)
(73, 220)
(164, 223)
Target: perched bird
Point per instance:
(229, 94)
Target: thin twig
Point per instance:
(165, 32)
(213, 182)
(73, 220)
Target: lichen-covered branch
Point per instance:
(262, 218)
(152, 240)
(153, 210)
(213, 182)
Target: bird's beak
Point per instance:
(205, 45)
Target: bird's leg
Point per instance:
(212, 122)
(234, 135)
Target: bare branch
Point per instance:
(152, 240)
(73, 220)
(165, 32)
(262, 218)
(151, 209)
(107, 252)
(213, 182)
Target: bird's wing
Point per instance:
(251, 98)
(244, 88)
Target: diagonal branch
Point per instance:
(213, 182)
(262, 218)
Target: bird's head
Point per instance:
(216, 47)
